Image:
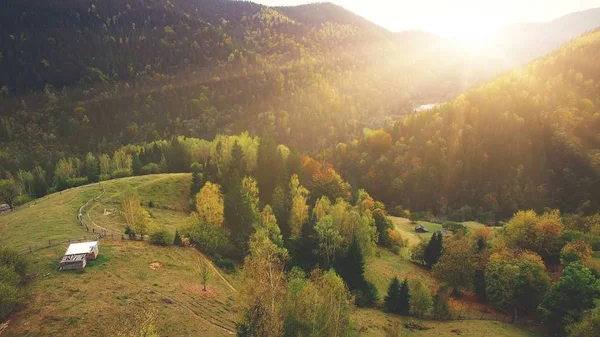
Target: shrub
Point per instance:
(9, 276)
(151, 204)
(105, 177)
(441, 306)
(22, 199)
(367, 297)
(226, 264)
(10, 297)
(74, 182)
(454, 227)
(121, 173)
(151, 168)
(10, 258)
(177, 239)
(161, 237)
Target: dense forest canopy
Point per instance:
(528, 139)
(80, 76)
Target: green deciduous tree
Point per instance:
(9, 191)
(573, 294)
(456, 266)
(420, 299)
(516, 280)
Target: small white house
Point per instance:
(77, 255)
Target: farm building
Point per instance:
(420, 229)
(77, 255)
(76, 261)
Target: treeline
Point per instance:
(529, 139)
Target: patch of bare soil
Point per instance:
(156, 265)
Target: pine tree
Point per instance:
(352, 267)
(433, 252)
(404, 299)
(177, 240)
(136, 165)
(391, 301)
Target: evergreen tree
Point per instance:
(177, 240)
(92, 168)
(236, 169)
(281, 207)
(197, 183)
(391, 302)
(40, 186)
(433, 252)
(267, 168)
(136, 165)
(404, 299)
(352, 267)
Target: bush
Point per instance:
(224, 263)
(74, 182)
(11, 259)
(151, 168)
(151, 204)
(9, 276)
(454, 227)
(366, 298)
(10, 297)
(441, 306)
(22, 199)
(161, 237)
(121, 173)
(105, 177)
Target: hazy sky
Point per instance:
(454, 17)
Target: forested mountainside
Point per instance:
(528, 139)
(80, 76)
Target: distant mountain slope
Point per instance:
(528, 139)
(524, 42)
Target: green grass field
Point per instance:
(375, 323)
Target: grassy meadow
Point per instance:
(128, 279)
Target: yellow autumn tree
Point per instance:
(299, 209)
(136, 217)
(209, 205)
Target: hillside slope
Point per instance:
(129, 280)
(528, 139)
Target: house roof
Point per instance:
(81, 248)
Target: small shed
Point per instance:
(421, 229)
(77, 255)
(76, 261)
